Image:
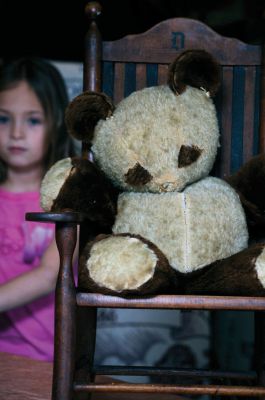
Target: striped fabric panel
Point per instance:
(131, 77)
(238, 91)
(237, 104)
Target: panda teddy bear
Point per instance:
(161, 223)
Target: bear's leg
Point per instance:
(242, 274)
(124, 264)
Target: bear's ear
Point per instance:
(83, 113)
(196, 68)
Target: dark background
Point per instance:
(56, 29)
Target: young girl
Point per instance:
(33, 98)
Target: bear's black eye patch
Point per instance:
(188, 155)
(137, 176)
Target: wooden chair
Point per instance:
(118, 68)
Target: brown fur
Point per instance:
(249, 182)
(163, 280)
(137, 176)
(233, 276)
(195, 68)
(188, 155)
(88, 191)
(83, 113)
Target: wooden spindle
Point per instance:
(65, 337)
(92, 56)
(93, 45)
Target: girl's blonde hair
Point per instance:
(48, 84)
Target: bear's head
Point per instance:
(158, 139)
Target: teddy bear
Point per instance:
(160, 222)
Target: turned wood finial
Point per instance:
(92, 48)
(93, 10)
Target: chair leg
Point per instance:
(85, 347)
(65, 315)
(259, 351)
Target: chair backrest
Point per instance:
(141, 60)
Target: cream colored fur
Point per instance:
(149, 127)
(121, 263)
(194, 228)
(53, 181)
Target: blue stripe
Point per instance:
(108, 78)
(237, 118)
(151, 75)
(256, 111)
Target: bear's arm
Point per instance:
(88, 191)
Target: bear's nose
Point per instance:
(188, 155)
(168, 186)
(137, 175)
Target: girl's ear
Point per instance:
(84, 112)
(196, 68)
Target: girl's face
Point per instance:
(23, 128)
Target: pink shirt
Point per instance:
(27, 330)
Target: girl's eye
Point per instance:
(35, 121)
(4, 119)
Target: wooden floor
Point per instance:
(25, 379)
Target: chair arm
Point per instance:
(67, 216)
